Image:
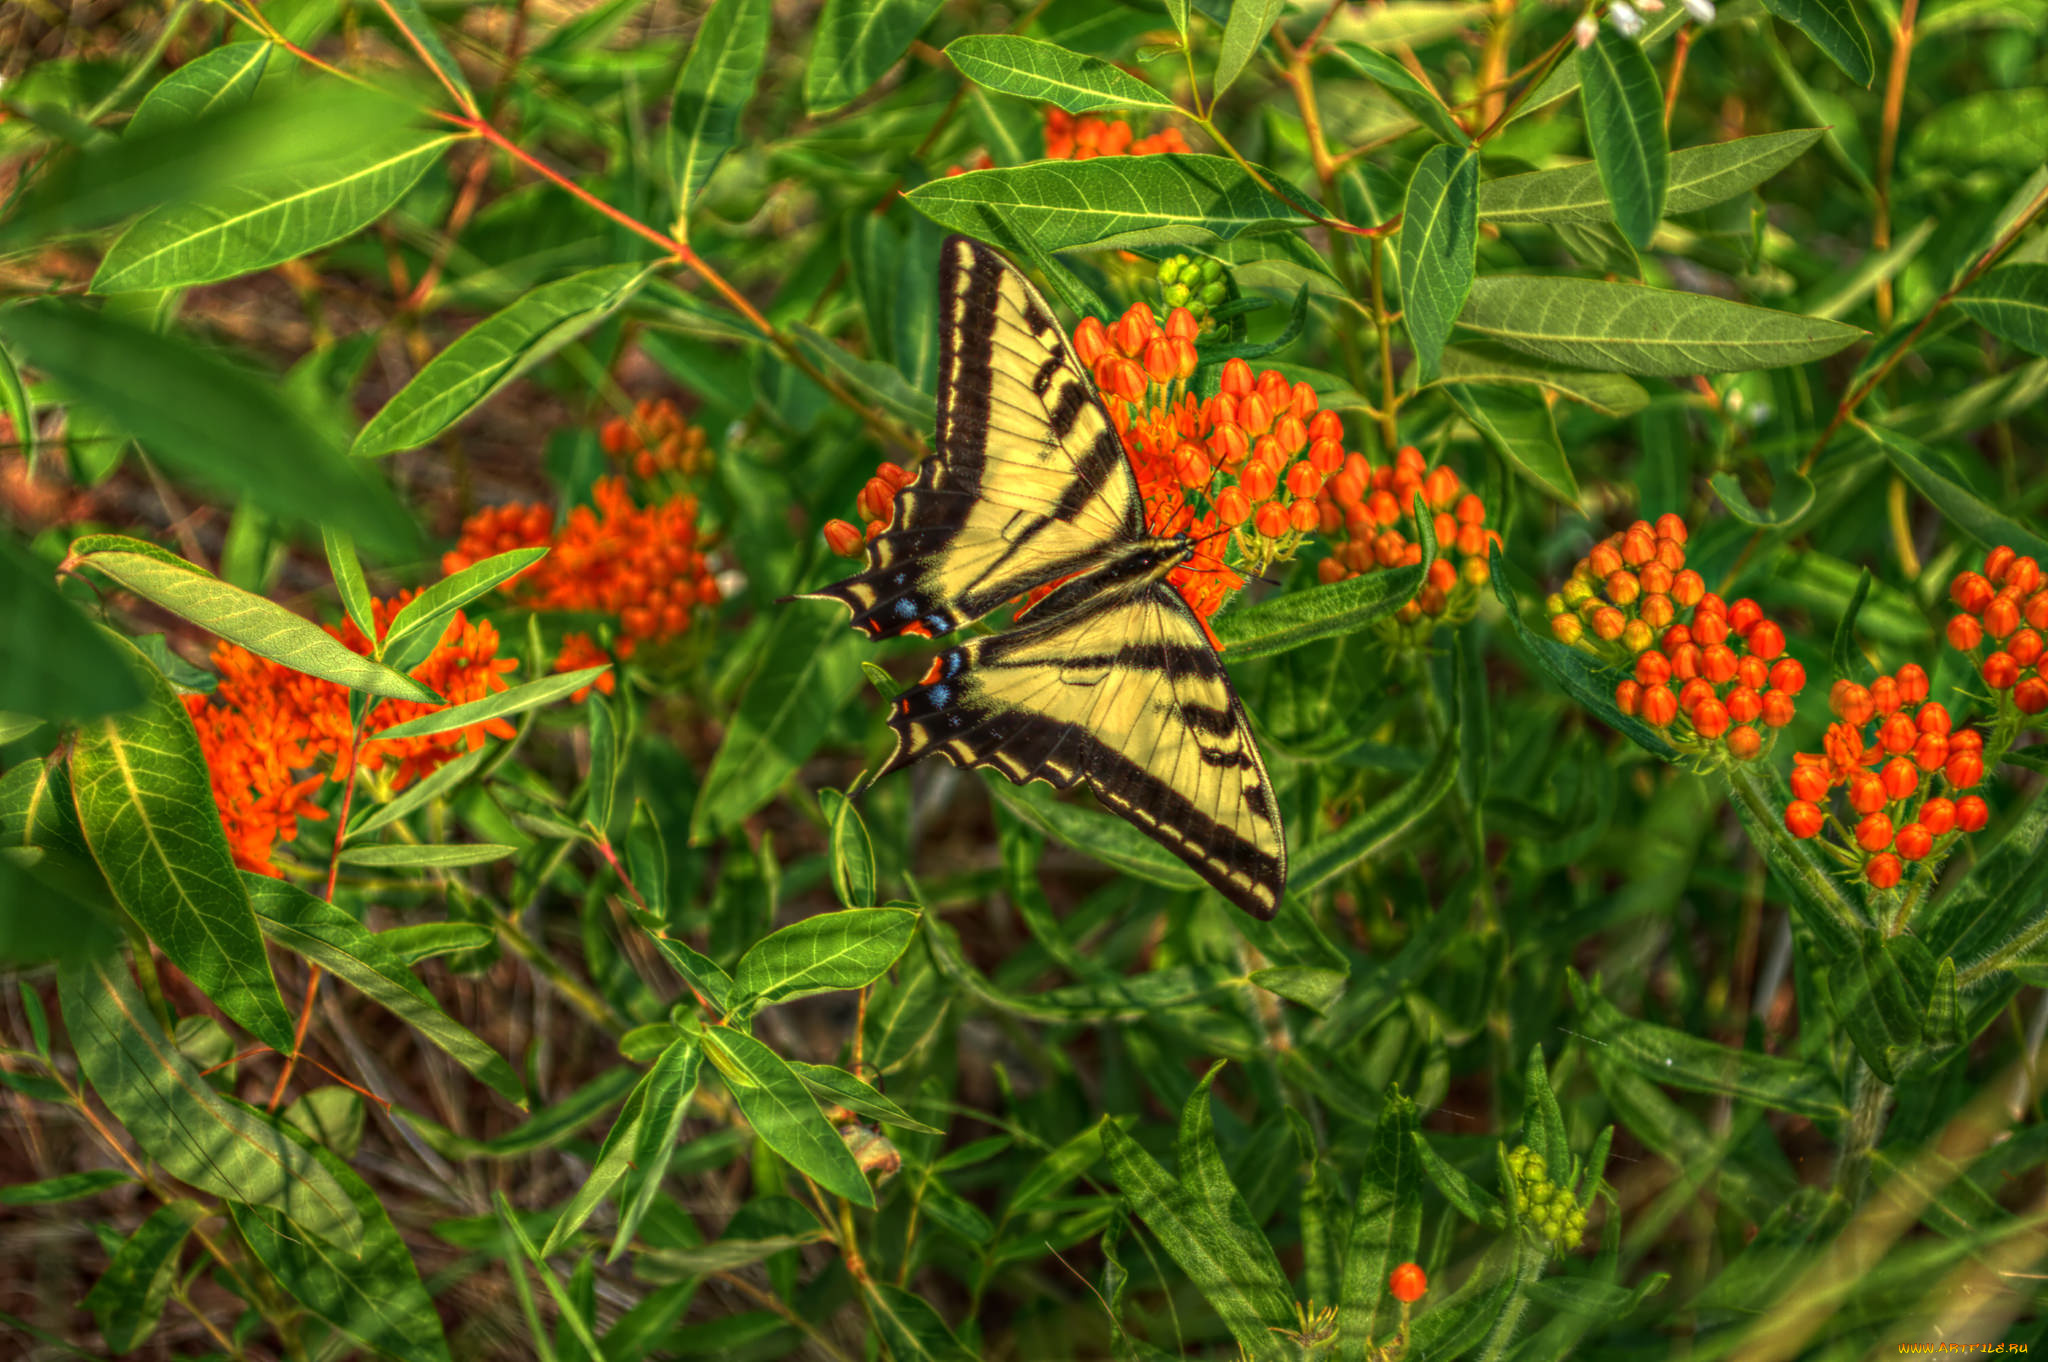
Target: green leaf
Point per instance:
(843, 1089)
(373, 1295)
(1700, 177)
(1608, 394)
(855, 43)
(241, 617)
(1207, 1181)
(2012, 304)
(1386, 1228)
(1297, 617)
(349, 583)
(1243, 34)
(552, 1126)
(1963, 508)
(1050, 74)
(417, 32)
(1566, 77)
(1093, 833)
(2005, 128)
(1625, 124)
(1400, 83)
(1666, 1055)
(712, 90)
(853, 855)
(1817, 900)
(213, 81)
(809, 665)
(268, 218)
(1236, 1283)
(1835, 30)
(517, 699)
(53, 662)
(1465, 1196)
(1792, 496)
(419, 624)
(661, 1093)
(419, 856)
(212, 1142)
(1126, 201)
(14, 405)
(1542, 1119)
(904, 1012)
(69, 1187)
(700, 971)
(1366, 835)
(1521, 429)
(146, 804)
(910, 1327)
(882, 384)
(668, 1102)
(784, 1114)
(1439, 234)
(226, 428)
(364, 960)
(1638, 330)
(419, 794)
(492, 353)
(129, 1297)
(822, 954)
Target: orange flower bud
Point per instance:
(1609, 622)
(1161, 365)
(1964, 633)
(1326, 425)
(1744, 614)
(2000, 671)
(1385, 509)
(1302, 516)
(1938, 815)
(844, 539)
(1638, 545)
(2031, 695)
(1567, 629)
(1804, 819)
(2035, 612)
(1866, 793)
(1091, 341)
(1963, 771)
(1237, 379)
(1930, 753)
(1810, 782)
(1779, 709)
(1997, 561)
(1851, 703)
(1744, 704)
(2002, 616)
(1302, 400)
(1228, 445)
(1271, 520)
(1191, 466)
(1710, 719)
(1687, 587)
(1671, 526)
(1291, 432)
(1258, 481)
(1605, 560)
(1874, 833)
(1181, 325)
(1709, 629)
(2025, 646)
(1912, 679)
(1693, 694)
(1744, 743)
(2022, 576)
(1765, 640)
(1622, 588)
(1186, 359)
(1971, 592)
(1752, 672)
(1327, 456)
(1972, 813)
(1717, 664)
(1900, 778)
(1233, 507)
(1303, 482)
(1659, 705)
(1255, 415)
(1440, 488)
(1883, 870)
(1685, 658)
(1407, 1284)
(1653, 668)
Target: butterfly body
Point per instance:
(1110, 679)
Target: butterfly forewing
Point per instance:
(1125, 693)
(1029, 482)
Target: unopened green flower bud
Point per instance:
(1177, 295)
(1213, 294)
(1211, 271)
(1170, 268)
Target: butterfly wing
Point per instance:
(1029, 482)
(1122, 691)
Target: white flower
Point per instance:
(1702, 11)
(1585, 30)
(1626, 21)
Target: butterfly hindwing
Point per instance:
(1123, 692)
(1028, 483)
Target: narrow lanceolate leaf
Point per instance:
(1519, 426)
(823, 954)
(1625, 123)
(1109, 201)
(1565, 78)
(668, 1102)
(128, 1299)
(1636, 330)
(146, 804)
(1376, 827)
(206, 419)
(446, 855)
(333, 939)
(853, 852)
(1835, 30)
(1204, 1176)
(14, 405)
(1969, 512)
(374, 1294)
(423, 619)
(1386, 1228)
(53, 662)
(1050, 74)
(1249, 23)
(841, 1088)
(493, 353)
(349, 582)
(69, 1187)
(416, 31)
(1700, 177)
(2012, 304)
(1401, 84)
(1439, 233)
(1300, 617)
(653, 1100)
(209, 83)
(1214, 1259)
(241, 617)
(717, 80)
(1608, 394)
(911, 1328)
(784, 1114)
(855, 43)
(212, 1142)
(525, 696)
(269, 218)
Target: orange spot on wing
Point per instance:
(917, 630)
(938, 666)
(904, 704)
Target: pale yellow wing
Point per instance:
(1123, 692)
(1029, 482)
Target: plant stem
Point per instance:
(1866, 1122)
(1888, 145)
(1390, 400)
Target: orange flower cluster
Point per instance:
(265, 724)
(1727, 663)
(654, 440)
(1903, 767)
(1364, 509)
(642, 565)
(1068, 138)
(1245, 465)
(2006, 606)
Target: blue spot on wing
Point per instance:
(906, 608)
(938, 624)
(954, 661)
(941, 695)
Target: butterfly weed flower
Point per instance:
(1368, 514)
(1547, 1208)
(1197, 285)
(265, 726)
(2001, 621)
(1713, 676)
(655, 442)
(1068, 138)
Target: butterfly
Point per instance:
(1111, 679)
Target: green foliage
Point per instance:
(364, 1002)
